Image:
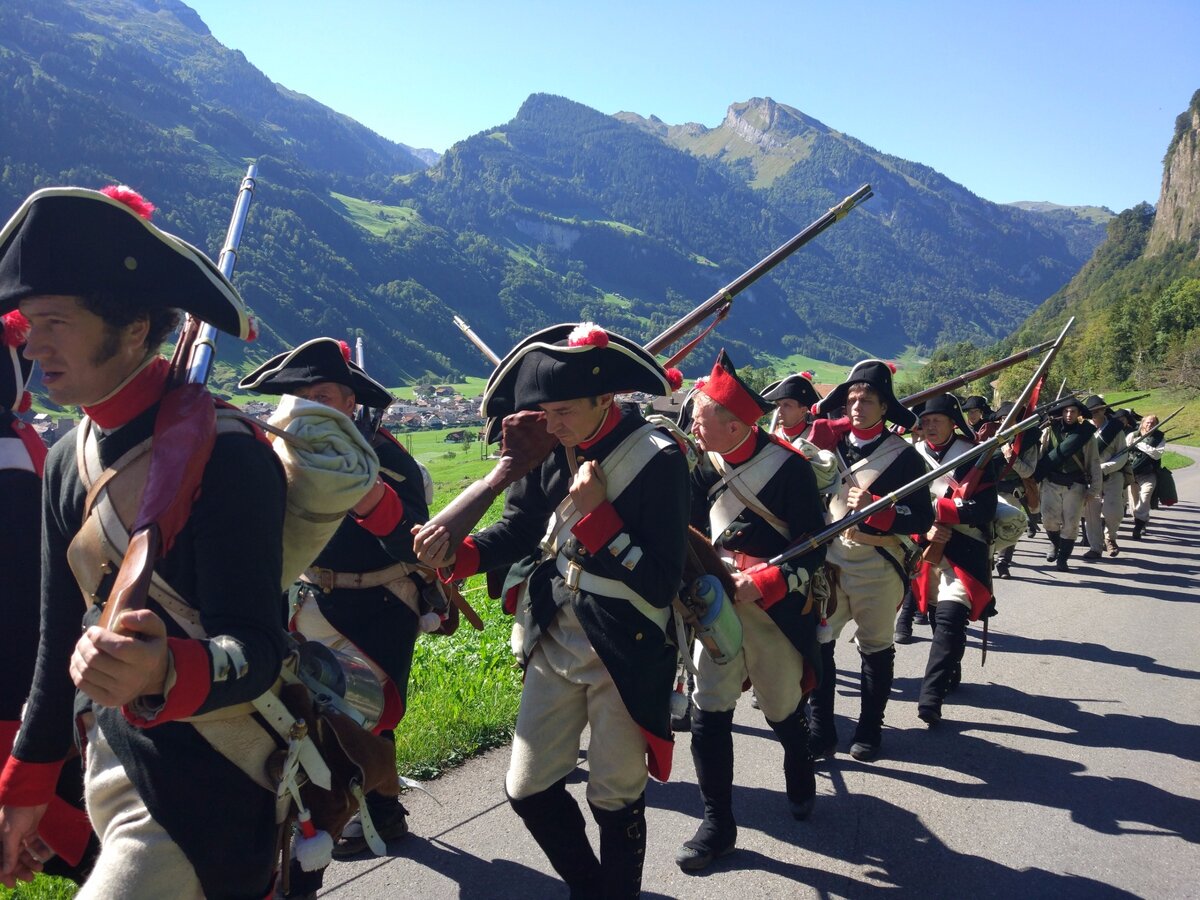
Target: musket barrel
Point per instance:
(756, 271)
(974, 375)
(200, 361)
(477, 341)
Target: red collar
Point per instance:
(868, 434)
(609, 423)
(744, 450)
(795, 431)
(134, 396)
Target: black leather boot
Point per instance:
(1004, 561)
(712, 752)
(553, 818)
(945, 660)
(798, 775)
(1053, 554)
(622, 849)
(904, 620)
(823, 739)
(877, 671)
(1065, 548)
(1138, 527)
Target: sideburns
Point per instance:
(109, 346)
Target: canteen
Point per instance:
(719, 630)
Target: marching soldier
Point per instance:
(1102, 516)
(597, 536)
(867, 564)
(68, 845)
(1144, 460)
(980, 417)
(1016, 485)
(1069, 473)
(755, 494)
(176, 817)
(957, 588)
(794, 397)
(363, 593)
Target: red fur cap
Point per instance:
(131, 198)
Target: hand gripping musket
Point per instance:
(184, 430)
(721, 301)
(810, 543)
(983, 371)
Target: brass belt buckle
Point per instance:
(325, 579)
(571, 579)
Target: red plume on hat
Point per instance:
(14, 329)
(345, 348)
(131, 198)
(811, 376)
(892, 366)
(588, 334)
(674, 378)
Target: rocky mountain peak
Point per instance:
(767, 124)
(1178, 216)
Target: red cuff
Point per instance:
(770, 583)
(28, 784)
(826, 433)
(193, 678)
(947, 511)
(383, 519)
(466, 561)
(884, 519)
(598, 527)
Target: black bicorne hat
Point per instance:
(321, 359)
(1094, 402)
(14, 367)
(76, 242)
(1073, 402)
(947, 405)
(797, 387)
(877, 374)
(976, 401)
(567, 362)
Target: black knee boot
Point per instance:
(877, 671)
(945, 660)
(712, 752)
(797, 763)
(622, 849)
(1053, 554)
(1004, 561)
(823, 739)
(1065, 549)
(553, 818)
(904, 621)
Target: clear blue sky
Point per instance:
(1070, 102)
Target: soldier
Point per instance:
(1016, 485)
(1069, 473)
(176, 817)
(68, 845)
(980, 417)
(793, 397)
(867, 563)
(1102, 516)
(1144, 461)
(363, 593)
(958, 587)
(754, 494)
(597, 536)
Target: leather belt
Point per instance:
(328, 580)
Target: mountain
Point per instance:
(563, 213)
(1137, 300)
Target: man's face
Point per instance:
(864, 407)
(715, 433)
(974, 417)
(791, 412)
(1099, 417)
(574, 421)
(329, 393)
(82, 358)
(1149, 424)
(937, 428)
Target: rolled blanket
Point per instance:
(328, 470)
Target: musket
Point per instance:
(1178, 437)
(958, 381)
(810, 543)
(721, 301)
(1062, 387)
(366, 419)
(475, 339)
(184, 431)
(1158, 428)
(1124, 400)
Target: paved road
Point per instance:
(1066, 767)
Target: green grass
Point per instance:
(472, 387)
(1175, 461)
(376, 217)
(42, 887)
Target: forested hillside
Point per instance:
(562, 213)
